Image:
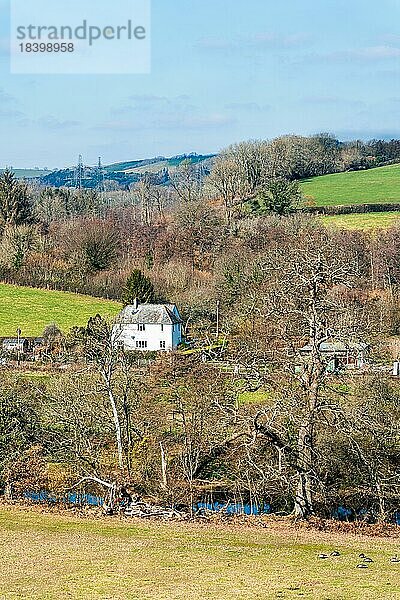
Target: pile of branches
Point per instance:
(140, 509)
(119, 501)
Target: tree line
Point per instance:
(257, 421)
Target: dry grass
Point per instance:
(365, 221)
(48, 556)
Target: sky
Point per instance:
(222, 71)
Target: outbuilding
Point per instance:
(341, 355)
(15, 345)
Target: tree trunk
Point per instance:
(118, 433)
(163, 467)
(117, 429)
(303, 498)
(8, 491)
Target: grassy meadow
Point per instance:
(365, 221)
(32, 309)
(29, 173)
(355, 187)
(51, 556)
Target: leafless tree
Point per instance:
(186, 181)
(301, 305)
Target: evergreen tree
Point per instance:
(15, 205)
(139, 287)
(280, 196)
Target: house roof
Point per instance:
(149, 314)
(337, 347)
(14, 341)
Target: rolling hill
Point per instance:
(379, 185)
(125, 173)
(32, 309)
(28, 173)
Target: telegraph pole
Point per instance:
(18, 346)
(218, 305)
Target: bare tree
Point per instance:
(225, 180)
(143, 190)
(17, 243)
(101, 349)
(301, 306)
(187, 181)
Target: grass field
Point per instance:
(31, 173)
(49, 556)
(366, 221)
(32, 309)
(356, 187)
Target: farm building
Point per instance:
(148, 327)
(340, 355)
(12, 345)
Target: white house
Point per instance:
(148, 327)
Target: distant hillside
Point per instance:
(379, 185)
(29, 173)
(159, 163)
(125, 173)
(91, 178)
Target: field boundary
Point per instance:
(349, 209)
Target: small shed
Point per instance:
(14, 345)
(341, 355)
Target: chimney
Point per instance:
(136, 304)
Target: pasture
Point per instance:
(55, 556)
(365, 221)
(379, 185)
(31, 309)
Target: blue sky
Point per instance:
(222, 71)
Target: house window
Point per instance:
(141, 327)
(162, 345)
(141, 344)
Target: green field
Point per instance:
(32, 309)
(356, 187)
(365, 221)
(29, 173)
(50, 556)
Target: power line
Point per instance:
(79, 173)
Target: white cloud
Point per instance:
(9, 113)
(333, 101)
(368, 54)
(257, 41)
(6, 98)
(149, 112)
(149, 103)
(171, 122)
(50, 122)
(248, 107)
(374, 53)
